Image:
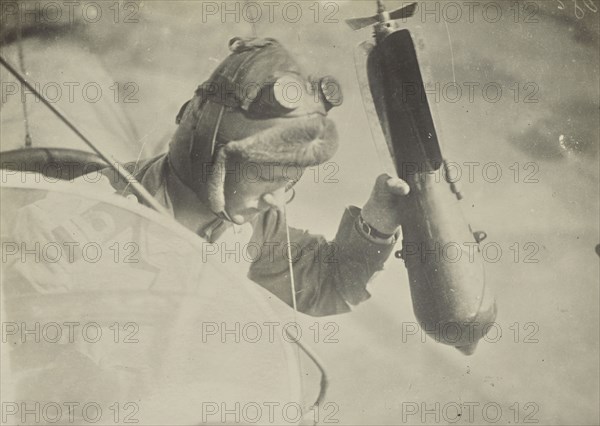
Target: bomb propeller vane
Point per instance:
(383, 17)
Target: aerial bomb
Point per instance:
(448, 293)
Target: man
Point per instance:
(241, 118)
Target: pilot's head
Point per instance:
(252, 128)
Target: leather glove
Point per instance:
(383, 211)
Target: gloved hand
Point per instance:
(383, 211)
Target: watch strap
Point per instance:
(372, 232)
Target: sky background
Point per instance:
(549, 50)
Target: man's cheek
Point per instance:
(240, 200)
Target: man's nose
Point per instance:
(274, 199)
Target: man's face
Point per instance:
(252, 188)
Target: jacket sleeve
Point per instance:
(329, 276)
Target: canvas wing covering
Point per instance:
(104, 301)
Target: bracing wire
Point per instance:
(28, 140)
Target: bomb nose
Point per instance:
(468, 349)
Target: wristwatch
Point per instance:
(372, 232)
